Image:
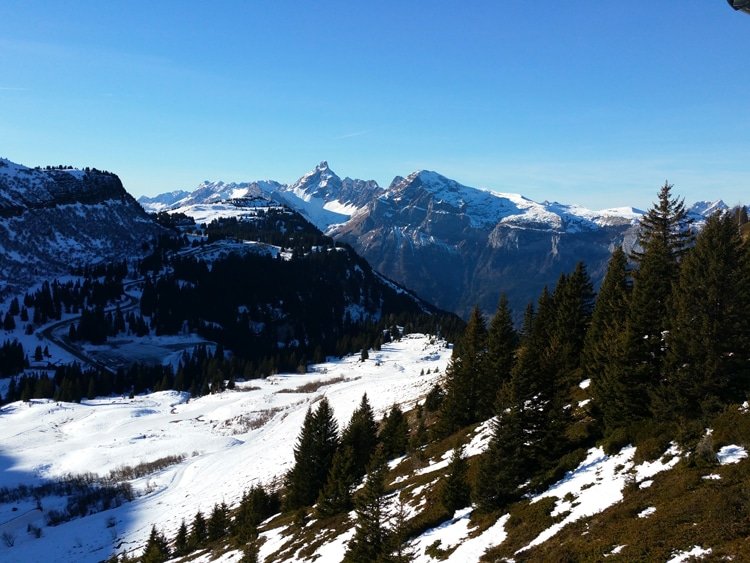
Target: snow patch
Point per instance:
(731, 454)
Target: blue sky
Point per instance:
(578, 101)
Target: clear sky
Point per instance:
(577, 101)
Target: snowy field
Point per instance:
(230, 441)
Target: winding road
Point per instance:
(64, 342)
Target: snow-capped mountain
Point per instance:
(320, 195)
(455, 245)
(462, 246)
(215, 192)
(52, 219)
(325, 199)
(162, 201)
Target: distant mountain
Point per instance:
(162, 201)
(52, 219)
(460, 246)
(325, 199)
(455, 245)
(320, 195)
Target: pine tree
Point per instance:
(394, 435)
(313, 455)
(456, 492)
(502, 341)
(666, 223)
(602, 351)
(528, 431)
(198, 531)
(157, 548)
(218, 522)
(255, 506)
(664, 238)
(464, 377)
(361, 435)
(706, 365)
(336, 496)
(370, 541)
(181, 540)
(505, 465)
(573, 303)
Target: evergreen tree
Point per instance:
(255, 506)
(664, 237)
(218, 522)
(666, 223)
(181, 540)
(361, 435)
(313, 455)
(157, 548)
(505, 465)
(370, 541)
(706, 364)
(394, 435)
(464, 377)
(602, 351)
(10, 323)
(198, 531)
(456, 492)
(336, 496)
(573, 303)
(502, 341)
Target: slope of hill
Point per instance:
(222, 444)
(55, 219)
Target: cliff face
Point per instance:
(52, 220)
(461, 247)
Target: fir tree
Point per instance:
(456, 492)
(573, 303)
(198, 531)
(464, 377)
(505, 465)
(361, 435)
(218, 522)
(313, 455)
(336, 496)
(157, 549)
(664, 237)
(181, 540)
(602, 351)
(370, 541)
(706, 365)
(666, 223)
(394, 435)
(502, 341)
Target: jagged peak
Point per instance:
(706, 208)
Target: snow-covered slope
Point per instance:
(163, 201)
(486, 208)
(230, 441)
(52, 219)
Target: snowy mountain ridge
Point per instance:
(327, 201)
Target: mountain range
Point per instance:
(455, 245)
